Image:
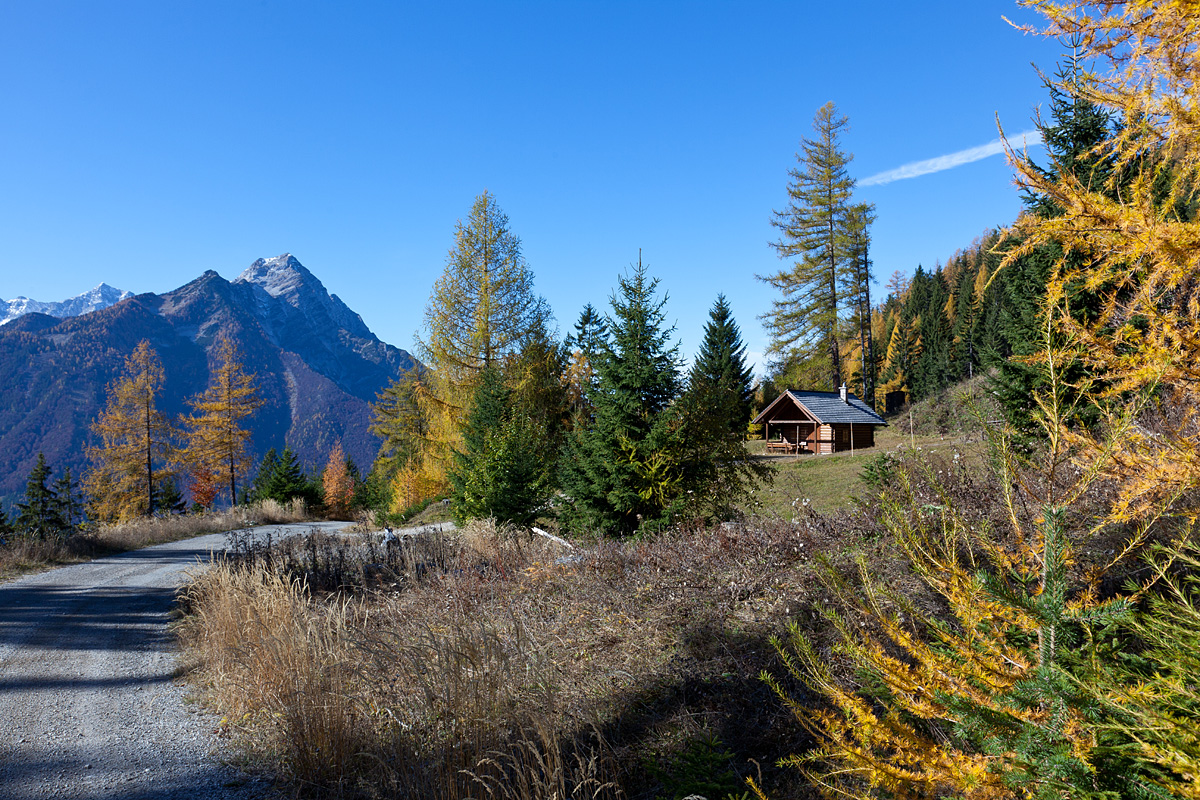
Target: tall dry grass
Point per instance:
(280, 664)
(156, 530)
(492, 663)
(350, 705)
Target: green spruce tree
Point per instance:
(266, 468)
(290, 480)
(499, 473)
(38, 513)
(70, 504)
(1077, 126)
(591, 333)
(616, 470)
(583, 348)
(720, 369)
(6, 528)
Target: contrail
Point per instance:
(950, 160)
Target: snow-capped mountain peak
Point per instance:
(95, 299)
(281, 275)
(286, 279)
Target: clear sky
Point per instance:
(143, 143)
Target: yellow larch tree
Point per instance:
(135, 443)
(990, 703)
(482, 311)
(1134, 241)
(337, 483)
(216, 452)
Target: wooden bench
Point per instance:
(786, 446)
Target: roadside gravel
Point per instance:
(89, 704)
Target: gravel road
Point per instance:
(89, 707)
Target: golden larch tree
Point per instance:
(482, 311)
(991, 704)
(135, 442)
(1134, 240)
(337, 483)
(216, 451)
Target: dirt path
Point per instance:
(89, 707)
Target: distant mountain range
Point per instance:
(102, 296)
(318, 365)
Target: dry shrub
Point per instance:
(475, 707)
(24, 554)
(491, 662)
(28, 553)
(272, 512)
(278, 664)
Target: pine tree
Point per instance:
(591, 333)
(934, 368)
(281, 478)
(168, 498)
(134, 438)
(720, 369)
(804, 324)
(499, 472)
(858, 233)
(1077, 127)
(216, 437)
(583, 348)
(38, 513)
(264, 473)
(6, 528)
(615, 471)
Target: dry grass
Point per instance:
(335, 689)
(22, 554)
(492, 663)
(281, 665)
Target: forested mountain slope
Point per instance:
(318, 365)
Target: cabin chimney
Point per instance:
(842, 392)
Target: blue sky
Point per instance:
(143, 143)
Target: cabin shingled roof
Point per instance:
(828, 408)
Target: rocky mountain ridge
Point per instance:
(318, 365)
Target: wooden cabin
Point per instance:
(818, 422)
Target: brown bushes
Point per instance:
(496, 663)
